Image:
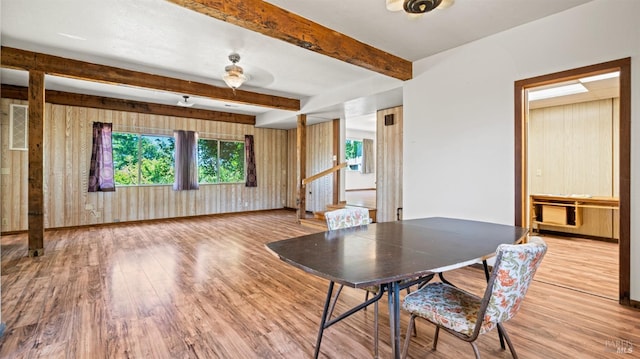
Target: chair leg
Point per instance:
(415, 328)
(435, 338)
(412, 323)
(444, 280)
(475, 350)
(335, 299)
(375, 330)
(366, 297)
(506, 337)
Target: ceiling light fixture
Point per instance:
(234, 75)
(557, 92)
(186, 102)
(417, 6)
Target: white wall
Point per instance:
(356, 179)
(459, 112)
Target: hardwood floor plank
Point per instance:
(206, 287)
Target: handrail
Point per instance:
(323, 173)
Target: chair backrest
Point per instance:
(347, 217)
(513, 272)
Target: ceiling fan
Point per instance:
(185, 102)
(234, 75)
(417, 6)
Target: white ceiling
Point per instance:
(159, 37)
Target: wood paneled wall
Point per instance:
(67, 153)
(573, 149)
(389, 164)
(319, 158)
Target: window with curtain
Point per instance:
(221, 161)
(153, 160)
(353, 154)
(186, 160)
(101, 173)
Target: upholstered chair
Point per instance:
(465, 315)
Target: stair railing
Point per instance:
(310, 179)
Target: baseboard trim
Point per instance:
(575, 235)
(634, 304)
(146, 220)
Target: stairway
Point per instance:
(317, 220)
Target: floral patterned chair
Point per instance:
(465, 315)
(347, 217)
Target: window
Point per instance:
(149, 159)
(142, 159)
(220, 161)
(353, 155)
(207, 161)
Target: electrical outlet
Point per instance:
(5, 221)
(98, 214)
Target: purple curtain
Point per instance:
(186, 160)
(252, 176)
(101, 167)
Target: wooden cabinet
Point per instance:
(564, 211)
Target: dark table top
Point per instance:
(381, 253)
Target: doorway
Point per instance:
(624, 150)
(360, 156)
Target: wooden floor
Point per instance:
(207, 288)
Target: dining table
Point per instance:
(391, 255)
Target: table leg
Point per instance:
(323, 320)
(394, 318)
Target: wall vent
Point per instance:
(18, 127)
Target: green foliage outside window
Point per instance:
(231, 162)
(125, 158)
(145, 159)
(142, 159)
(207, 161)
(156, 165)
(220, 161)
(353, 154)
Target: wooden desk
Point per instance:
(564, 211)
(387, 253)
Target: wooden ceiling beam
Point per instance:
(270, 20)
(60, 66)
(107, 103)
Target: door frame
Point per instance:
(521, 136)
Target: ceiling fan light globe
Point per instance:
(394, 5)
(234, 76)
(234, 79)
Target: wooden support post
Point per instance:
(36, 168)
(301, 157)
(336, 154)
